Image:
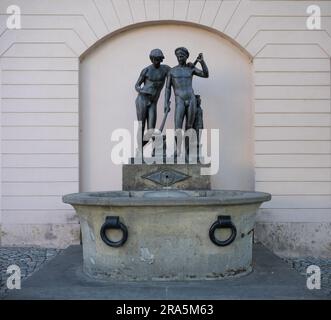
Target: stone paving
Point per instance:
(32, 259)
(29, 260)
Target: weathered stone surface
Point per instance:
(166, 198)
(168, 233)
(41, 235)
(296, 239)
(171, 176)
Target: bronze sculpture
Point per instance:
(180, 79)
(187, 104)
(153, 77)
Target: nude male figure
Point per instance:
(180, 79)
(153, 78)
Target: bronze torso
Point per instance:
(181, 80)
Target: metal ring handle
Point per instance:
(113, 222)
(223, 222)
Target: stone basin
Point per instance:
(171, 234)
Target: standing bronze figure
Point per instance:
(180, 78)
(198, 124)
(153, 79)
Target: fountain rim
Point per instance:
(194, 197)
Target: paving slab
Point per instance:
(63, 278)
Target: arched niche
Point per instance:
(109, 71)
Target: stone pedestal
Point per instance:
(165, 176)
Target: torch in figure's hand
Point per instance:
(159, 131)
(167, 107)
(166, 111)
(198, 59)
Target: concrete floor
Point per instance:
(62, 278)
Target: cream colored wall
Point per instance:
(292, 110)
(107, 101)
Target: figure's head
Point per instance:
(156, 56)
(197, 97)
(182, 55)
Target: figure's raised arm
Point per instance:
(140, 80)
(204, 73)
